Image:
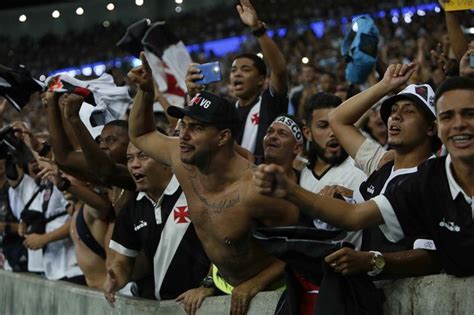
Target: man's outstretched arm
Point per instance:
(271, 180)
(142, 129)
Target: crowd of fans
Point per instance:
(385, 166)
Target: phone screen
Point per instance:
(211, 72)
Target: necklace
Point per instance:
(115, 198)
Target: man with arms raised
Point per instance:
(224, 205)
(257, 107)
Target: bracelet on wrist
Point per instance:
(64, 184)
(260, 30)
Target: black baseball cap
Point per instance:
(132, 40)
(210, 109)
(17, 85)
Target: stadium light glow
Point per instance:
(260, 55)
(178, 1)
(110, 6)
(55, 14)
(305, 60)
(139, 3)
(22, 18)
(87, 71)
(79, 11)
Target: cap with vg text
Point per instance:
(208, 108)
(422, 95)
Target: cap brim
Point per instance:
(386, 107)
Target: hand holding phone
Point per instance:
(211, 73)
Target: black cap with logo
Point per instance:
(210, 109)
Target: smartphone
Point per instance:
(211, 72)
(471, 61)
(45, 149)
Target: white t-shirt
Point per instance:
(345, 175)
(58, 260)
(18, 197)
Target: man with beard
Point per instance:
(330, 170)
(224, 205)
(257, 105)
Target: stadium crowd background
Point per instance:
(402, 33)
(307, 32)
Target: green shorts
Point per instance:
(225, 287)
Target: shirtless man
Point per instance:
(224, 205)
(86, 231)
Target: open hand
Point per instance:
(247, 13)
(110, 287)
(241, 297)
(192, 299)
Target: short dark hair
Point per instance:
(454, 83)
(122, 124)
(319, 100)
(257, 61)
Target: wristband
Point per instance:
(261, 30)
(64, 184)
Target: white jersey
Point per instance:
(345, 175)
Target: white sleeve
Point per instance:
(368, 156)
(392, 228)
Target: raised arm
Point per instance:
(271, 180)
(142, 128)
(107, 171)
(270, 50)
(457, 40)
(343, 118)
(65, 154)
(465, 69)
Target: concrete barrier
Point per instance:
(30, 294)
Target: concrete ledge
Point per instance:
(438, 294)
(30, 294)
